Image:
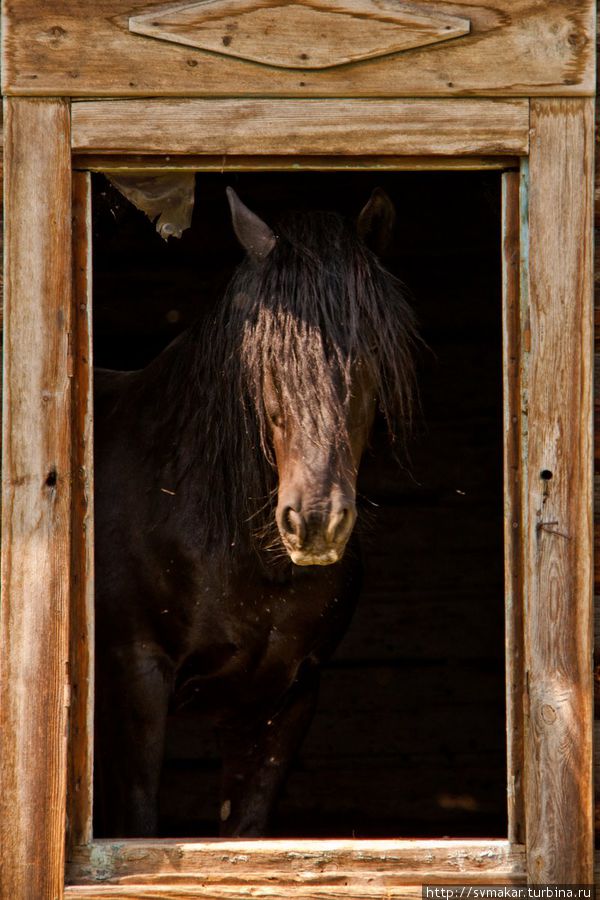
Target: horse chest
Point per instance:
(247, 645)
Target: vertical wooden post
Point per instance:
(81, 721)
(513, 519)
(558, 501)
(36, 499)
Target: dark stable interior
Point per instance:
(409, 735)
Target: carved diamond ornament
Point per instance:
(300, 34)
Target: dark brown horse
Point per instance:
(226, 497)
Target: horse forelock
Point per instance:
(320, 306)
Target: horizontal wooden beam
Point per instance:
(307, 891)
(233, 892)
(283, 127)
(159, 165)
(351, 891)
(294, 862)
(513, 48)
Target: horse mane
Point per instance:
(319, 305)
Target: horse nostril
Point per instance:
(340, 524)
(293, 523)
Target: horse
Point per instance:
(227, 566)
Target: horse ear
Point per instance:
(376, 221)
(254, 235)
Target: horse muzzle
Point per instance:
(314, 538)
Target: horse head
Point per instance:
(326, 340)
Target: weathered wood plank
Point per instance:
(513, 521)
(153, 164)
(324, 863)
(313, 34)
(558, 573)
(597, 496)
(346, 127)
(515, 47)
(81, 720)
(36, 499)
(349, 891)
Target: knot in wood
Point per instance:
(548, 714)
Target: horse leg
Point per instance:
(133, 688)
(257, 757)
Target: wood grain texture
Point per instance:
(36, 499)
(558, 499)
(349, 891)
(153, 164)
(293, 863)
(515, 48)
(81, 719)
(306, 34)
(597, 494)
(513, 520)
(346, 127)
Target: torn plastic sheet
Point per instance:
(167, 200)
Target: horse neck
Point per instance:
(180, 389)
(197, 435)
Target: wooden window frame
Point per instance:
(546, 148)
